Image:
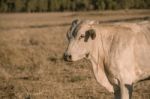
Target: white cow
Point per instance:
(119, 52)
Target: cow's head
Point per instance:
(80, 36)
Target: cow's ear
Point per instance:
(90, 33)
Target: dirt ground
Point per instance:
(31, 64)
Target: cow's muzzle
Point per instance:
(67, 57)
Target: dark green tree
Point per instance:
(70, 5)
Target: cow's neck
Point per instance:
(106, 39)
(102, 45)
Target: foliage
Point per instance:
(70, 5)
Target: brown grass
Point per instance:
(31, 64)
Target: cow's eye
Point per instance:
(82, 36)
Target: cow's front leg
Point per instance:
(117, 92)
(126, 90)
(101, 77)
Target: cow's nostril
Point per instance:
(70, 57)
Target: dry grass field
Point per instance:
(31, 63)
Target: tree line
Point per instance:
(70, 5)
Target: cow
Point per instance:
(119, 52)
